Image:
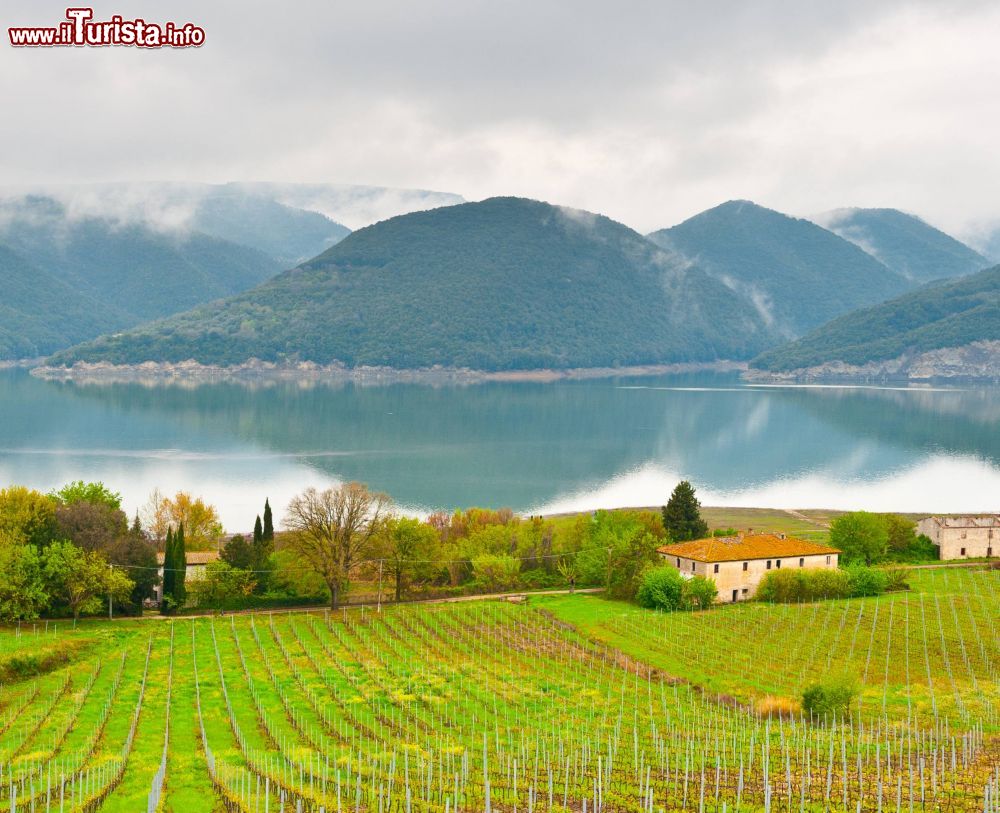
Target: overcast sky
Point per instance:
(646, 112)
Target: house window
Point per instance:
(745, 568)
(692, 567)
(768, 564)
(963, 550)
(802, 562)
(678, 562)
(715, 569)
(779, 563)
(745, 591)
(828, 560)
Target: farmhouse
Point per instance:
(963, 537)
(738, 563)
(194, 569)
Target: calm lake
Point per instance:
(533, 447)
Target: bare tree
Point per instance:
(335, 529)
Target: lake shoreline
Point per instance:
(254, 371)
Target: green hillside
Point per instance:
(286, 234)
(130, 267)
(503, 284)
(905, 243)
(40, 314)
(797, 274)
(952, 314)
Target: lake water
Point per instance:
(533, 447)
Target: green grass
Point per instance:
(427, 700)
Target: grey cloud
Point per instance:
(645, 111)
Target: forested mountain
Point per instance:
(797, 274)
(39, 313)
(286, 234)
(77, 277)
(955, 314)
(507, 283)
(905, 243)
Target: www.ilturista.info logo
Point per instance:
(79, 28)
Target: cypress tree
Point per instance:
(268, 522)
(180, 557)
(169, 570)
(682, 514)
(258, 534)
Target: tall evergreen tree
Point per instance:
(263, 546)
(268, 522)
(180, 557)
(682, 514)
(169, 568)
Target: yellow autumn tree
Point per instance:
(202, 528)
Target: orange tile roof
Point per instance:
(744, 546)
(194, 557)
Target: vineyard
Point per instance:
(567, 703)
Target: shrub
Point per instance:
(496, 573)
(788, 586)
(896, 579)
(771, 706)
(661, 588)
(867, 581)
(698, 593)
(830, 699)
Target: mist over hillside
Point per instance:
(507, 283)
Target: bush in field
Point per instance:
(698, 593)
(789, 586)
(661, 588)
(861, 537)
(896, 579)
(495, 573)
(222, 583)
(867, 581)
(830, 699)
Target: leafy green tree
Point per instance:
(411, 550)
(91, 525)
(661, 589)
(901, 533)
(80, 579)
(830, 699)
(23, 594)
(222, 583)
(136, 555)
(698, 593)
(496, 573)
(619, 548)
(682, 514)
(27, 517)
(860, 536)
(238, 553)
(93, 493)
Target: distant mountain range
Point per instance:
(503, 284)
(130, 273)
(797, 274)
(905, 243)
(950, 329)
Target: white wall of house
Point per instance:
(959, 541)
(738, 581)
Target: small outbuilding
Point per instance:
(969, 536)
(737, 564)
(195, 570)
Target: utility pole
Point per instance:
(380, 586)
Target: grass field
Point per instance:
(560, 703)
